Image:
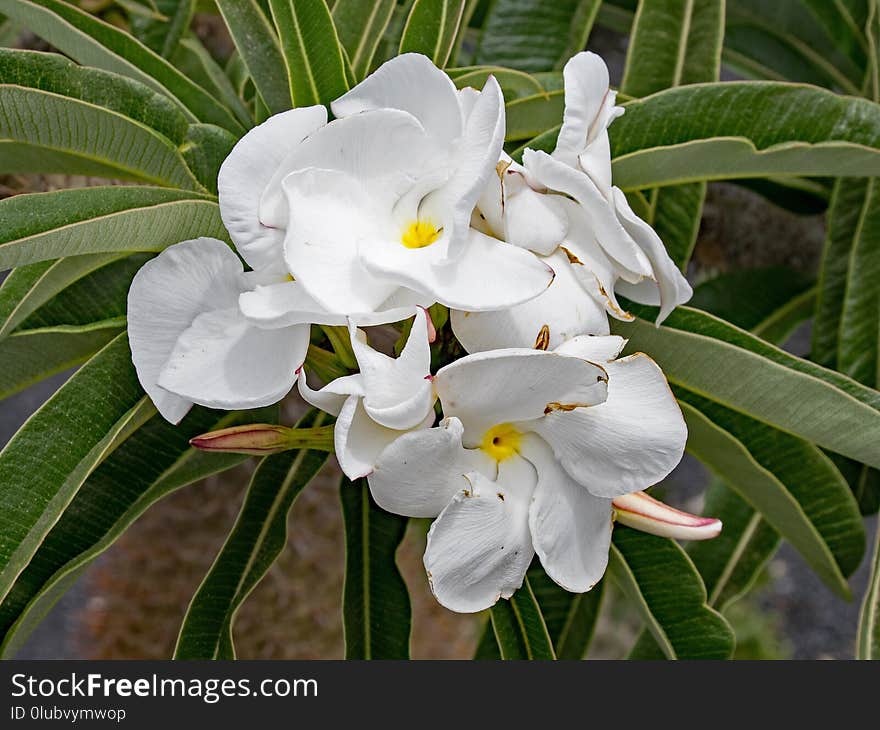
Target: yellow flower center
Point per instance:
(420, 234)
(501, 441)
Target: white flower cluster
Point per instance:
(404, 200)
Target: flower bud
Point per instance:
(261, 439)
(642, 512)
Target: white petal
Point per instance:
(359, 440)
(565, 309)
(419, 473)
(332, 396)
(535, 221)
(412, 83)
(165, 297)
(673, 287)
(586, 81)
(502, 386)
(223, 361)
(283, 304)
(607, 229)
(629, 442)
(593, 348)
(597, 273)
(334, 213)
(387, 147)
(517, 274)
(479, 548)
(397, 392)
(246, 173)
(473, 165)
(571, 529)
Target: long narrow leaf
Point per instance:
(153, 462)
(312, 54)
(256, 540)
(44, 226)
(47, 461)
(360, 25)
(431, 29)
(662, 582)
(92, 42)
(375, 601)
(519, 627)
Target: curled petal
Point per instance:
(479, 548)
(571, 529)
(501, 386)
(411, 83)
(167, 294)
(359, 439)
(246, 173)
(420, 472)
(667, 287)
(647, 514)
(563, 311)
(629, 442)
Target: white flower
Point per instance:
(565, 203)
(534, 447)
(375, 206)
(386, 398)
(190, 342)
(580, 167)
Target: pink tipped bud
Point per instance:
(255, 438)
(642, 512)
(261, 439)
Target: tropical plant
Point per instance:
(792, 441)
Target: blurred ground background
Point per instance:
(129, 604)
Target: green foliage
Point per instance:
(256, 540)
(375, 602)
(431, 29)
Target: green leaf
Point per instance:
(738, 129)
(519, 627)
(312, 54)
(256, 540)
(30, 356)
(570, 617)
(27, 288)
(783, 41)
(672, 44)
(80, 221)
(156, 460)
(709, 356)
(85, 139)
(205, 148)
(868, 639)
(795, 487)
(431, 29)
(360, 25)
(535, 35)
(659, 578)
(731, 562)
(92, 42)
(58, 75)
(375, 602)
(194, 60)
(515, 84)
(842, 26)
(47, 461)
(260, 49)
(860, 316)
(750, 298)
(529, 116)
(164, 35)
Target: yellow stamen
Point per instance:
(420, 234)
(501, 441)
